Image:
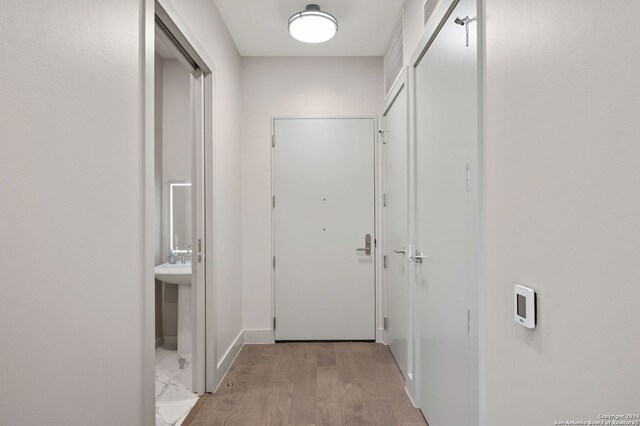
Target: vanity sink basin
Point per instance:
(177, 273)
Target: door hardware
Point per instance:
(465, 23)
(367, 245)
(384, 139)
(385, 261)
(401, 251)
(418, 257)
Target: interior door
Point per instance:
(323, 226)
(396, 213)
(447, 222)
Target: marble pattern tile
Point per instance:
(174, 398)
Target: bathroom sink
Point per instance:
(177, 273)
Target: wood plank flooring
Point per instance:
(311, 384)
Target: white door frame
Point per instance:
(435, 22)
(204, 358)
(379, 298)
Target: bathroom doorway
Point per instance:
(182, 163)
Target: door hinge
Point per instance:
(468, 322)
(468, 177)
(274, 262)
(385, 261)
(273, 141)
(385, 200)
(385, 323)
(273, 201)
(274, 323)
(375, 242)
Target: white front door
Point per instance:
(323, 184)
(396, 213)
(448, 223)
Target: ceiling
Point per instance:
(259, 27)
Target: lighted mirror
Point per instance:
(180, 217)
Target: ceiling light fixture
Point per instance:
(312, 25)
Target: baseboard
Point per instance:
(381, 336)
(159, 342)
(258, 336)
(409, 388)
(227, 359)
(170, 342)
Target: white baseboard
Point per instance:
(227, 359)
(381, 336)
(258, 336)
(159, 342)
(410, 389)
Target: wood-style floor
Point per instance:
(311, 384)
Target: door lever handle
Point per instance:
(367, 245)
(402, 251)
(418, 257)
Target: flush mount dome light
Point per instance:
(312, 25)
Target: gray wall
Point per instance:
(562, 208)
(70, 191)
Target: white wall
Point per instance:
(157, 184)
(158, 113)
(277, 86)
(205, 23)
(176, 167)
(413, 26)
(176, 128)
(70, 191)
(562, 208)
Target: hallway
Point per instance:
(435, 203)
(311, 383)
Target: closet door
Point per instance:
(447, 224)
(395, 222)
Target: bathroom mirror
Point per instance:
(180, 217)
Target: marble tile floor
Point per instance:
(174, 398)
